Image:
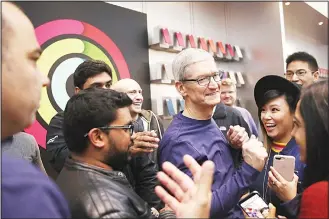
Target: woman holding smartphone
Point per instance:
(276, 99)
(311, 132)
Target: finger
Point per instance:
(245, 137)
(167, 198)
(271, 177)
(171, 185)
(232, 134)
(272, 211)
(206, 179)
(145, 144)
(277, 175)
(140, 150)
(230, 131)
(281, 217)
(296, 178)
(192, 165)
(147, 138)
(183, 180)
(253, 137)
(239, 135)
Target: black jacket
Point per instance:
(141, 171)
(94, 192)
(225, 116)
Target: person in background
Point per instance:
(228, 97)
(140, 171)
(276, 99)
(23, 146)
(195, 133)
(26, 192)
(311, 132)
(144, 120)
(90, 73)
(302, 68)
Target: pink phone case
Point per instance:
(285, 165)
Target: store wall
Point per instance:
(303, 32)
(254, 26)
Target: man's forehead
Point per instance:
(100, 78)
(295, 65)
(203, 68)
(227, 87)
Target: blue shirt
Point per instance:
(203, 140)
(29, 193)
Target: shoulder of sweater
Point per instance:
(315, 189)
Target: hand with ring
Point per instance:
(284, 189)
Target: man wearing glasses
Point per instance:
(98, 128)
(140, 171)
(302, 68)
(194, 132)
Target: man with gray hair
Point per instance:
(194, 132)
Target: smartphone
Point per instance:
(254, 206)
(285, 165)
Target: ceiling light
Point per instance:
(287, 3)
(320, 23)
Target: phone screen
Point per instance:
(255, 207)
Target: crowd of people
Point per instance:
(115, 160)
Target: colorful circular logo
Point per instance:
(66, 43)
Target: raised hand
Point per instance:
(254, 153)
(284, 189)
(144, 142)
(191, 198)
(237, 135)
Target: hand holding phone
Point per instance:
(254, 206)
(285, 166)
(283, 189)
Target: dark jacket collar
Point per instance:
(71, 163)
(220, 111)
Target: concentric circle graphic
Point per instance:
(66, 43)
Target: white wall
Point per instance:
(303, 32)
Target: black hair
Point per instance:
(88, 69)
(272, 94)
(90, 108)
(304, 57)
(314, 111)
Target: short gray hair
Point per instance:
(188, 57)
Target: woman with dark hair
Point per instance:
(276, 99)
(312, 135)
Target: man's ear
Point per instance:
(76, 90)
(180, 88)
(316, 75)
(96, 138)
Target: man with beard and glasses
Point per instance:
(97, 129)
(140, 171)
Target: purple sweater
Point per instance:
(203, 140)
(29, 193)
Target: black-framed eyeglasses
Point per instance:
(129, 127)
(205, 81)
(299, 73)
